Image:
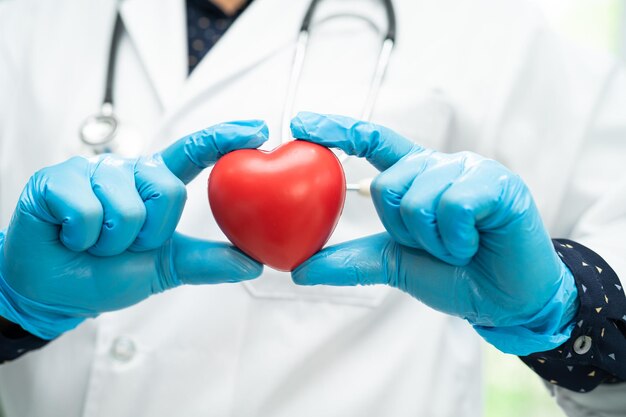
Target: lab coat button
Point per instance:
(582, 345)
(123, 349)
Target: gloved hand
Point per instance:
(464, 236)
(95, 235)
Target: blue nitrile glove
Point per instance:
(464, 236)
(96, 235)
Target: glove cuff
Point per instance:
(36, 318)
(546, 330)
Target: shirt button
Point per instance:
(123, 349)
(582, 345)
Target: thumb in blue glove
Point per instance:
(95, 235)
(464, 236)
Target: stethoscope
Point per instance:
(99, 131)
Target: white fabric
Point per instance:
(482, 75)
(604, 401)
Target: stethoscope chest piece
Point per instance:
(99, 130)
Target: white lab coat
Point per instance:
(482, 75)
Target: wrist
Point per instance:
(547, 329)
(11, 330)
(594, 354)
(17, 311)
(559, 313)
(15, 341)
(39, 319)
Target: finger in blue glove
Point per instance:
(95, 235)
(465, 237)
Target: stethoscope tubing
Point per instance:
(107, 117)
(382, 64)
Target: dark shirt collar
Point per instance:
(208, 7)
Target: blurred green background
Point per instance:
(599, 24)
(511, 389)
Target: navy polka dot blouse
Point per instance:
(206, 24)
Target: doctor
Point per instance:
(485, 76)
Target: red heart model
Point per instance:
(279, 207)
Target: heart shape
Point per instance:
(279, 207)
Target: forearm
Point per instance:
(15, 341)
(595, 352)
(593, 213)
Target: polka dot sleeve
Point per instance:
(14, 341)
(596, 350)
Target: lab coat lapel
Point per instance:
(158, 32)
(264, 28)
